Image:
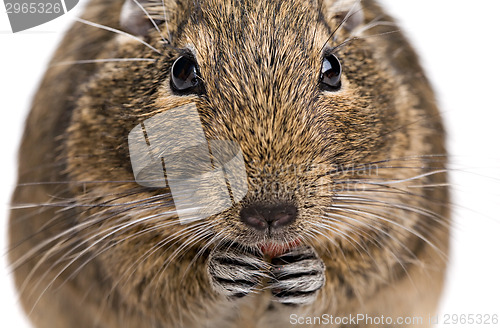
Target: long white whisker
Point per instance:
(411, 231)
(107, 28)
(370, 201)
(102, 60)
(166, 19)
(114, 231)
(151, 20)
(366, 224)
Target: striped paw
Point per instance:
(297, 276)
(234, 273)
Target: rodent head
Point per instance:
(260, 84)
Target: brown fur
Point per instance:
(260, 63)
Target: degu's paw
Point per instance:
(234, 273)
(297, 276)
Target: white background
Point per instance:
(457, 41)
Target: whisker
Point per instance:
(348, 265)
(151, 20)
(146, 255)
(377, 202)
(346, 237)
(423, 175)
(103, 60)
(212, 240)
(92, 245)
(166, 18)
(349, 14)
(107, 28)
(411, 231)
(184, 247)
(355, 38)
(374, 23)
(85, 224)
(379, 245)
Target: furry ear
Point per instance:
(134, 15)
(351, 10)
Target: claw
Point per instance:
(297, 276)
(235, 274)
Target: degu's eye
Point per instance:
(185, 77)
(331, 72)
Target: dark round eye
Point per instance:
(331, 72)
(185, 78)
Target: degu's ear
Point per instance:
(350, 10)
(134, 15)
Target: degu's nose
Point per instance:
(262, 217)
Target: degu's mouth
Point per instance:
(274, 249)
